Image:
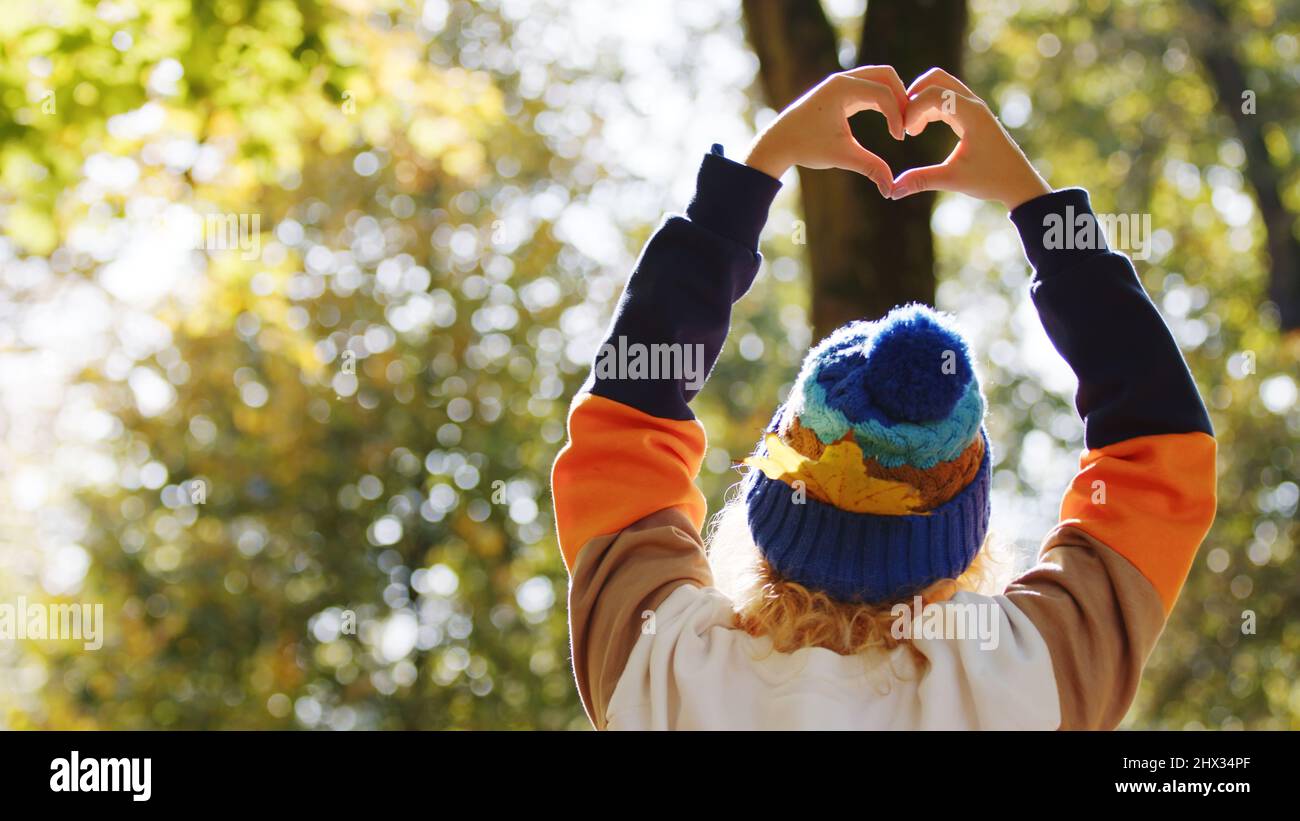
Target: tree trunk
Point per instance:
(865, 254)
(1216, 54)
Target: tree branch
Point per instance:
(1225, 72)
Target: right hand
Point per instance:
(986, 163)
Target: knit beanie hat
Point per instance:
(872, 480)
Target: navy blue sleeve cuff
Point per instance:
(1133, 380)
(1054, 230)
(732, 199)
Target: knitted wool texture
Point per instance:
(904, 391)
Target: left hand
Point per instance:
(813, 131)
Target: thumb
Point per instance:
(928, 178)
(856, 158)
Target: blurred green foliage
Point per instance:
(373, 403)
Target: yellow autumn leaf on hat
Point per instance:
(837, 478)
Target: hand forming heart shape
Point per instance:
(813, 132)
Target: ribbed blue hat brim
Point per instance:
(867, 557)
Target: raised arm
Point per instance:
(1144, 498)
(634, 446)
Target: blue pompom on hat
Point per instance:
(898, 369)
(899, 396)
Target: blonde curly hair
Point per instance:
(793, 616)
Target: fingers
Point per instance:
(864, 95)
(856, 158)
(938, 77)
(928, 178)
(957, 100)
(886, 76)
(935, 104)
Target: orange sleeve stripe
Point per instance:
(1151, 499)
(622, 465)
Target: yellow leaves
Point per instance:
(432, 136)
(1279, 147)
(464, 161)
(838, 478)
(484, 538)
(31, 229)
